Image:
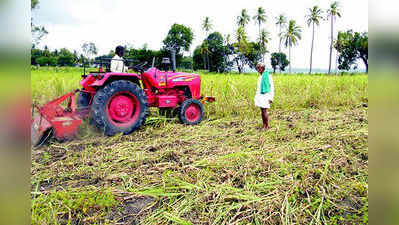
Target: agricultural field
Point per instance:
(311, 167)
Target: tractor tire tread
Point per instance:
(100, 102)
(184, 105)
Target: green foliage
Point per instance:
(53, 61)
(33, 4)
(186, 63)
(332, 13)
(313, 18)
(47, 61)
(144, 54)
(334, 10)
(147, 55)
(260, 16)
(38, 32)
(198, 59)
(179, 37)
(264, 38)
(243, 19)
(47, 209)
(35, 54)
(314, 15)
(253, 54)
(42, 61)
(207, 24)
(292, 34)
(63, 57)
(279, 61)
(281, 20)
(214, 45)
(239, 48)
(351, 46)
(218, 50)
(89, 49)
(246, 53)
(66, 58)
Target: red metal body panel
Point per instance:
(86, 83)
(170, 83)
(192, 81)
(105, 77)
(66, 126)
(169, 80)
(65, 122)
(167, 101)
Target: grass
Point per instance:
(310, 168)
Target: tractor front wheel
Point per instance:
(191, 112)
(120, 107)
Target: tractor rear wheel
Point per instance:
(120, 107)
(191, 112)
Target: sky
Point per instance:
(109, 23)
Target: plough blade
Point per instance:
(52, 119)
(40, 132)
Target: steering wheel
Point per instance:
(139, 67)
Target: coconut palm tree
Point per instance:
(264, 38)
(260, 18)
(243, 19)
(291, 36)
(204, 51)
(207, 26)
(281, 23)
(227, 50)
(241, 37)
(313, 18)
(333, 12)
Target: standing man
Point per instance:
(264, 93)
(117, 62)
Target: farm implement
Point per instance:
(119, 102)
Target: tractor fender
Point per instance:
(109, 77)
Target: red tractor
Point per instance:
(119, 102)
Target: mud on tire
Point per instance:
(119, 107)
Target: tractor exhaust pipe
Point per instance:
(173, 56)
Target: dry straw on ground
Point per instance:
(310, 168)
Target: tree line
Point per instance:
(222, 53)
(217, 52)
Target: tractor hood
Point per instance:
(182, 77)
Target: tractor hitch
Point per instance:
(204, 99)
